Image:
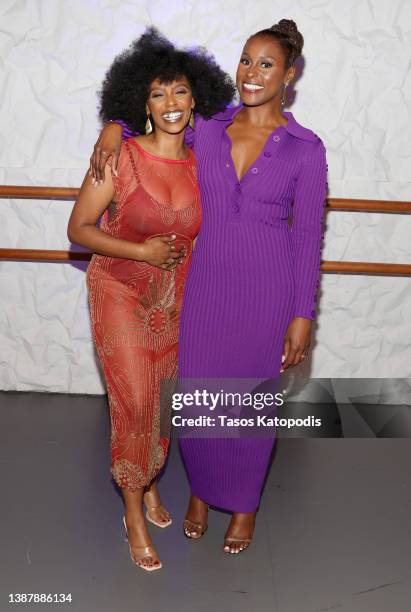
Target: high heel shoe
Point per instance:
(151, 520)
(148, 553)
(199, 529)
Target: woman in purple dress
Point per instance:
(251, 291)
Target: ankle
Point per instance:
(243, 517)
(134, 516)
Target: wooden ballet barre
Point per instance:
(38, 193)
(71, 193)
(341, 204)
(340, 267)
(365, 267)
(41, 255)
(390, 206)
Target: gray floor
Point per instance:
(333, 531)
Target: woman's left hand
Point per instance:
(297, 342)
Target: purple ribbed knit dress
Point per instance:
(250, 275)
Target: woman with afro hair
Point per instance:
(150, 209)
(251, 292)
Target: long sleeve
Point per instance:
(307, 229)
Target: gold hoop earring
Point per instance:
(283, 98)
(149, 125)
(191, 122)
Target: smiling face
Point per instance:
(261, 72)
(170, 104)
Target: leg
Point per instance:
(142, 550)
(138, 449)
(156, 511)
(195, 523)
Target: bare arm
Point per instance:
(108, 145)
(82, 229)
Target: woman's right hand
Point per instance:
(107, 145)
(160, 252)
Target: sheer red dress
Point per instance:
(135, 307)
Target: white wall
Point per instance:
(355, 92)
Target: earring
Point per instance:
(149, 125)
(191, 122)
(283, 99)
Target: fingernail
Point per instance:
(283, 359)
(282, 370)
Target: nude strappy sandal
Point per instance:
(148, 553)
(151, 520)
(201, 529)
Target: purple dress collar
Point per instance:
(293, 127)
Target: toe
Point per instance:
(189, 528)
(227, 546)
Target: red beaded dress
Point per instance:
(135, 307)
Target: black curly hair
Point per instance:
(288, 36)
(126, 85)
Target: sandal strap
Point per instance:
(148, 550)
(230, 541)
(149, 553)
(155, 507)
(199, 526)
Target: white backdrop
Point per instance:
(354, 91)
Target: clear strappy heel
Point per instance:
(148, 553)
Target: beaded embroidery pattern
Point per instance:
(135, 307)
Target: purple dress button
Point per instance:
(254, 170)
